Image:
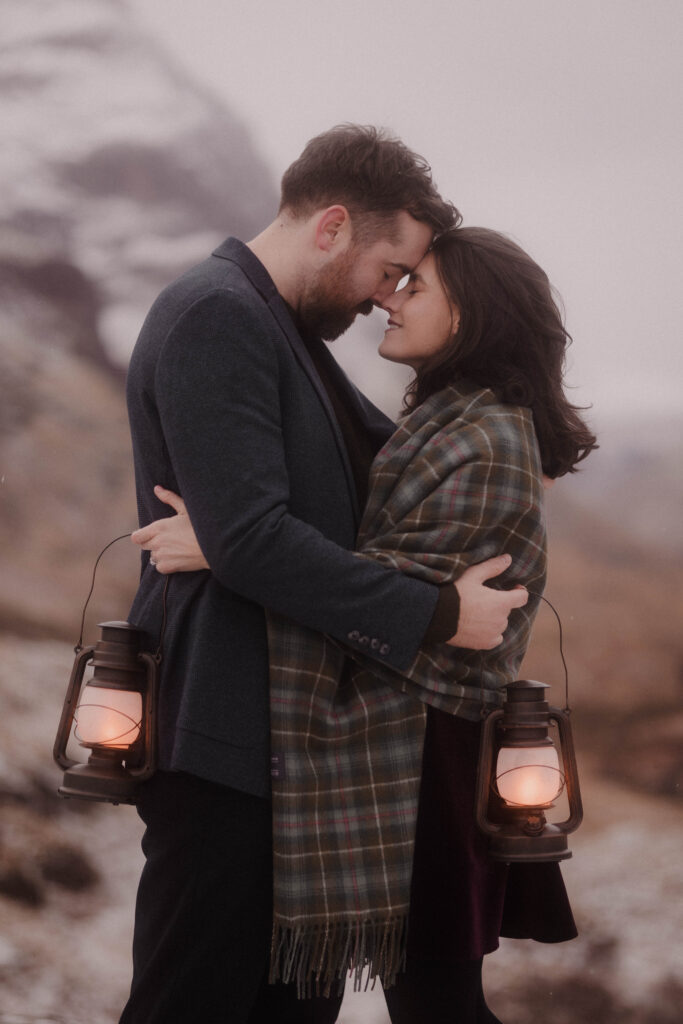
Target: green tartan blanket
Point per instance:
(458, 482)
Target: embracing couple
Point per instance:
(330, 636)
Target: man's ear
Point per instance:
(333, 229)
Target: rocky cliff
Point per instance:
(118, 172)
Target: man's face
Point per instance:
(361, 277)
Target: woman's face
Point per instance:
(422, 320)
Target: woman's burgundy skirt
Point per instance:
(462, 901)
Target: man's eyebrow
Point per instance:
(402, 267)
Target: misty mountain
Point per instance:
(118, 172)
(117, 163)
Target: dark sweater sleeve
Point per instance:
(444, 622)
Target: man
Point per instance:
(236, 404)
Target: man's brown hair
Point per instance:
(370, 172)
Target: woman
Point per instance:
(358, 748)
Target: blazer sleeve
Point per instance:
(217, 394)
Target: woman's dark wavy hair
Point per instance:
(510, 338)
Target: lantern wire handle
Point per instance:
(484, 709)
(564, 663)
(79, 646)
(158, 655)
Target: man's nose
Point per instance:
(386, 297)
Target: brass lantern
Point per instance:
(114, 714)
(520, 777)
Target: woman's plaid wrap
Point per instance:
(458, 482)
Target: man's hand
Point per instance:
(172, 542)
(484, 612)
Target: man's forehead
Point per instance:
(410, 244)
(411, 230)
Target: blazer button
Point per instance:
(354, 635)
(364, 641)
(384, 649)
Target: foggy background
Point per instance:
(137, 134)
(553, 122)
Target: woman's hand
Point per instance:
(171, 542)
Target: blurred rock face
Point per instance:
(120, 165)
(119, 174)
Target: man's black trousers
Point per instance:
(204, 911)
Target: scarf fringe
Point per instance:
(315, 956)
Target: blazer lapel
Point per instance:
(236, 252)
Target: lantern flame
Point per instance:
(114, 721)
(529, 776)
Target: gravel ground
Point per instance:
(67, 959)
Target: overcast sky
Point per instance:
(556, 121)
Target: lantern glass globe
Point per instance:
(528, 776)
(109, 718)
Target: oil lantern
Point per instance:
(520, 777)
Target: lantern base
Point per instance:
(512, 846)
(97, 782)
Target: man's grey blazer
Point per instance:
(227, 409)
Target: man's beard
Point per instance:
(325, 309)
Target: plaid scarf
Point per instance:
(458, 482)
